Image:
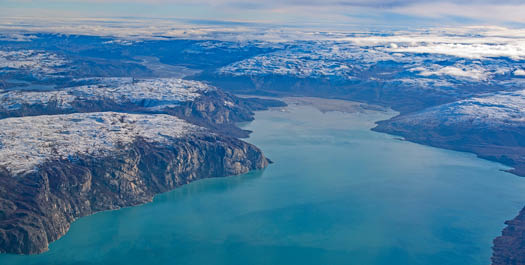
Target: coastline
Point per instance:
(506, 247)
(273, 178)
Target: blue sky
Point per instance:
(289, 12)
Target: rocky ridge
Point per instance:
(491, 126)
(38, 205)
(66, 154)
(193, 101)
(509, 248)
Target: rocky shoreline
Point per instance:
(509, 248)
(65, 155)
(39, 207)
(465, 136)
(503, 147)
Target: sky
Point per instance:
(336, 13)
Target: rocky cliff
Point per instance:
(38, 207)
(509, 248)
(221, 111)
(192, 101)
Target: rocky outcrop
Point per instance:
(207, 107)
(509, 248)
(220, 111)
(77, 151)
(38, 207)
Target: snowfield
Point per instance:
(38, 62)
(150, 92)
(162, 91)
(500, 109)
(390, 62)
(28, 142)
(14, 100)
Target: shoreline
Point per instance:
(347, 106)
(327, 104)
(506, 247)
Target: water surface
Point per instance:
(338, 193)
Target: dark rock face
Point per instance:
(509, 248)
(209, 110)
(367, 90)
(38, 208)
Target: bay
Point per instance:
(337, 193)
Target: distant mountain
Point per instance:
(460, 90)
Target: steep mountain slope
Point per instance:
(55, 169)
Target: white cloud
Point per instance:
(519, 72)
(296, 12)
(488, 12)
(465, 42)
(472, 72)
(514, 50)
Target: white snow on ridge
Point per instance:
(504, 108)
(515, 51)
(424, 83)
(15, 99)
(318, 59)
(157, 92)
(345, 60)
(471, 72)
(31, 60)
(164, 90)
(28, 142)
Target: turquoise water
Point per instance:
(337, 193)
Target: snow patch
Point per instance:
(149, 93)
(463, 72)
(500, 109)
(156, 91)
(15, 99)
(28, 142)
(31, 60)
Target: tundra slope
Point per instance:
(58, 168)
(491, 126)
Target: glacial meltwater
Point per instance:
(337, 193)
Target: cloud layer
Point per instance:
(323, 12)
